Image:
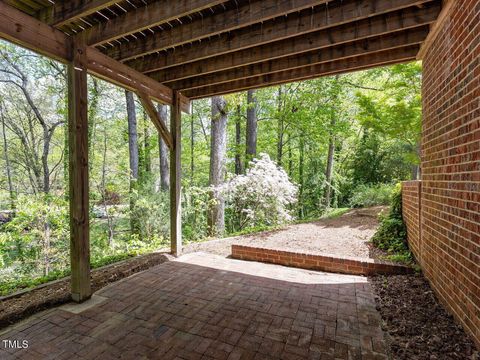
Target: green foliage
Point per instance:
(36, 240)
(371, 195)
(391, 235)
(196, 202)
(27, 282)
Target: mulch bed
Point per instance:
(418, 327)
(58, 292)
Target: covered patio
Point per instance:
(171, 52)
(203, 306)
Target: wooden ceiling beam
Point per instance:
(296, 24)
(156, 13)
(254, 12)
(64, 12)
(334, 53)
(27, 31)
(335, 67)
(376, 26)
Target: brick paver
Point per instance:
(203, 306)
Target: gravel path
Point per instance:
(346, 235)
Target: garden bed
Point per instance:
(20, 305)
(417, 326)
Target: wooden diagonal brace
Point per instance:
(155, 117)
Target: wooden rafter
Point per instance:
(254, 12)
(347, 65)
(155, 117)
(362, 29)
(63, 12)
(296, 24)
(148, 16)
(35, 35)
(339, 52)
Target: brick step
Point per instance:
(337, 264)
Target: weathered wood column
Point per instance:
(175, 176)
(78, 168)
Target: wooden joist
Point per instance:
(376, 26)
(254, 12)
(63, 12)
(339, 52)
(399, 55)
(35, 35)
(145, 17)
(295, 24)
(155, 117)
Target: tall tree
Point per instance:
(163, 152)
(37, 151)
(330, 159)
(8, 168)
(238, 141)
(251, 130)
(218, 149)
(146, 144)
(133, 151)
(280, 126)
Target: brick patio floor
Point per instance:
(203, 306)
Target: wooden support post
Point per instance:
(175, 176)
(78, 179)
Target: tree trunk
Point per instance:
(251, 138)
(146, 144)
(92, 115)
(280, 128)
(290, 157)
(300, 175)
(218, 149)
(110, 223)
(192, 149)
(45, 166)
(8, 168)
(133, 150)
(163, 152)
(238, 142)
(330, 163)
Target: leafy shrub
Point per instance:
(195, 204)
(371, 195)
(261, 197)
(391, 235)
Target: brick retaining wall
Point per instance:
(450, 225)
(356, 266)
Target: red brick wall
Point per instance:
(317, 262)
(451, 164)
(411, 205)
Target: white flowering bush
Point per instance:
(264, 196)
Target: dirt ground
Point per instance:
(346, 235)
(417, 326)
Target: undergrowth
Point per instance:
(10, 286)
(391, 235)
